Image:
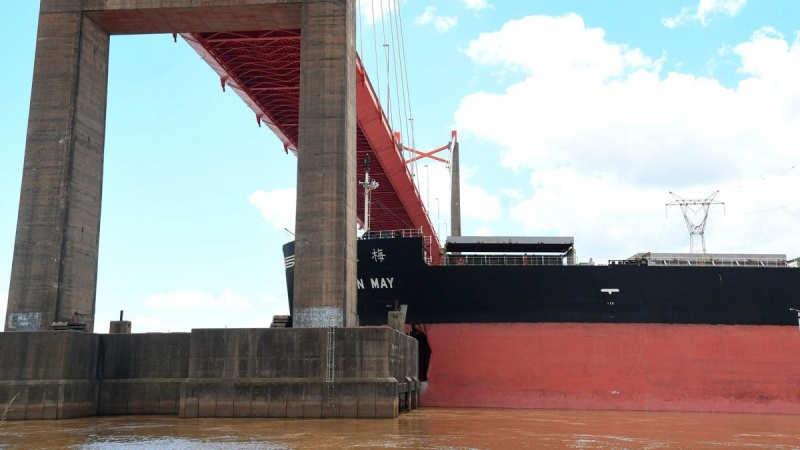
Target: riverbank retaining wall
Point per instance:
(368, 372)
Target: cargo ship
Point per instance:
(521, 322)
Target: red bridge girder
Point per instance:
(263, 68)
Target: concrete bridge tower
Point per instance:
(54, 270)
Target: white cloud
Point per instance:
(571, 50)
(672, 22)
(199, 310)
(147, 324)
(614, 216)
(197, 301)
(704, 10)
(476, 202)
(261, 322)
(483, 231)
(477, 5)
(512, 193)
(272, 300)
(183, 310)
(606, 135)
(727, 7)
(374, 11)
(441, 23)
(426, 17)
(231, 301)
(277, 206)
(182, 301)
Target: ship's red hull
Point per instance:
(726, 368)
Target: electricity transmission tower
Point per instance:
(697, 241)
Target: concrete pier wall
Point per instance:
(48, 375)
(208, 373)
(283, 372)
(141, 373)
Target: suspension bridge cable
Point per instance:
(398, 62)
(403, 69)
(407, 83)
(360, 31)
(375, 46)
(393, 48)
(395, 59)
(388, 70)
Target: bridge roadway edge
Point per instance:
(255, 373)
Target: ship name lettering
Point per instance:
(376, 283)
(381, 283)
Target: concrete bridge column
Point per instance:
(54, 270)
(325, 255)
(455, 189)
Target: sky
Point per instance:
(575, 118)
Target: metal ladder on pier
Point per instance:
(329, 374)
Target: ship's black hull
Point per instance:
(391, 272)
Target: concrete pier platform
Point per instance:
(273, 372)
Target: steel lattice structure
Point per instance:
(697, 240)
(263, 68)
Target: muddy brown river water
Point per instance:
(426, 428)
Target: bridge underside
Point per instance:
(263, 68)
(256, 51)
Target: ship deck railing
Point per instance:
(388, 234)
(507, 260)
(720, 262)
(563, 260)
